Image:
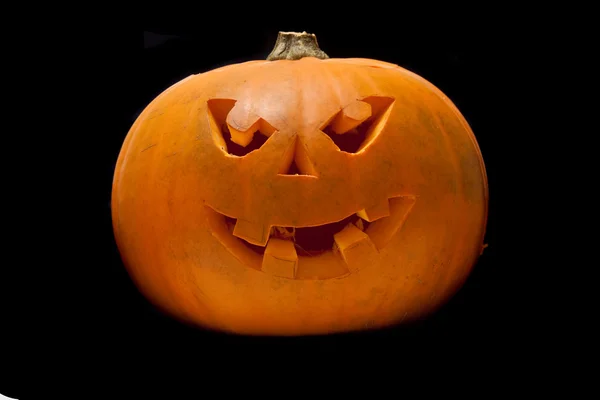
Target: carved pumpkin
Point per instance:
(300, 195)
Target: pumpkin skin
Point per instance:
(200, 230)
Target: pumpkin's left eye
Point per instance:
(234, 131)
(258, 139)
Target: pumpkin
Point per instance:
(300, 195)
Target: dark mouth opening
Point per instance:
(319, 252)
(310, 241)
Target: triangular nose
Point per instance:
(292, 169)
(296, 161)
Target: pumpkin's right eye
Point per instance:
(357, 125)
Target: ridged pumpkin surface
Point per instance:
(200, 220)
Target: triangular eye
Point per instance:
(236, 141)
(357, 125)
(235, 149)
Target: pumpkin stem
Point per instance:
(296, 45)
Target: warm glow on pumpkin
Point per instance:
(300, 195)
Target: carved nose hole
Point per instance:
(293, 169)
(296, 161)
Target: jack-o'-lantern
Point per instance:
(300, 195)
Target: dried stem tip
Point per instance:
(296, 45)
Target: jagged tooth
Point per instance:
(360, 225)
(351, 116)
(373, 213)
(381, 232)
(252, 232)
(280, 258)
(282, 233)
(240, 137)
(356, 248)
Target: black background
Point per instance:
(104, 331)
(158, 56)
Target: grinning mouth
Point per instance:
(318, 252)
(310, 241)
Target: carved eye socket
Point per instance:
(258, 139)
(359, 123)
(236, 131)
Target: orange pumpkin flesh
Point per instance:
(300, 196)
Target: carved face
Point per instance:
(300, 196)
(309, 196)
